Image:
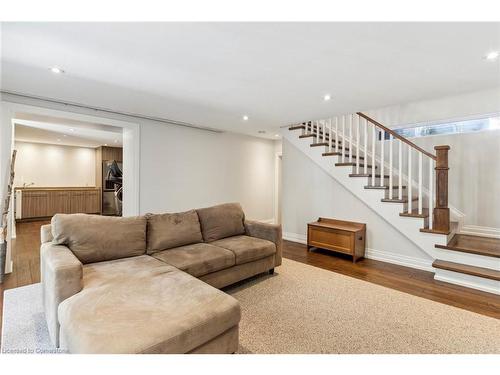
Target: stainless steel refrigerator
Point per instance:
(112, 188)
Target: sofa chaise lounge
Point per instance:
(149, 284)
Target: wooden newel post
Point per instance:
(441, 215)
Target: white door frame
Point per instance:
(277, 192)
(131, 152)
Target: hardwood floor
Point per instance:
(26, 271)
(405, 279)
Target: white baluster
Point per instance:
(350, 138)
(400, 165)
(357, 144)
(374, 135)
(343, 139)
(324, 130)
(390, 167)
(382, 135)
(431, 197)
(317, 131)
(330, 136)
(420, 183)
(366, 147)
(409, 180)
(337, 139)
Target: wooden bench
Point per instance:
(337, 235)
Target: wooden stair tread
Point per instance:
(351, 164)
(319, 144)
(333, 153)
(296, 127)
(414, 213)
(385, 187)
(474, 244)
(429, 230)
(397, 200)
(307, 135)
(366, 175)
(469, 270)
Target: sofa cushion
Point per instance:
(94, 238)
(142, 305)
(166, 231)
(247, 249)
(221, 221)
(198, 259)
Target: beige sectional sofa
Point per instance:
(148, 284)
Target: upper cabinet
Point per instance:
(111, 153)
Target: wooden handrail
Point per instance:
(396, 135)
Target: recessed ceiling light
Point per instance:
(71, 130)
(116, 140)
(493, 55)
(64, 135)
(276, 135)
(105, 144)
(326, 97)
(245, 118)
(56, 70)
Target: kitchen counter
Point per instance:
(30, 188)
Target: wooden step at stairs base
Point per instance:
(466, 269)
(340, 154)
(397, 200)
(464, 243)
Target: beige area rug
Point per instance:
(304, 309)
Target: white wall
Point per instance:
(438, 109)
(183, 168)
(474, 177)
(309, 193)
(54, 165)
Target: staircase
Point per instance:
(407, 186)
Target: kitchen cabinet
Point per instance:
(46, 202)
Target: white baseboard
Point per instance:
(477, 230)
(294, 237)
(383, 256)
(468, 281)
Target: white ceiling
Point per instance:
(52, 130)
(211, 74)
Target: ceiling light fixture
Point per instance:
(116, 140)
(493, 55)
(105, 144)
(276, 135)
(56, 70)
(327, 97)
(71, 130)
(245, 118)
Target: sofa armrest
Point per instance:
(46, 233)
(270, 232)
(62, 276)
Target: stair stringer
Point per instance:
(408, 226)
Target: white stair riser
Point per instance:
(469, 281)
(468, 258)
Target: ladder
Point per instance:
(5, 216)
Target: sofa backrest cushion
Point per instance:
(94, 238)
(224, 220)
(166, 231)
